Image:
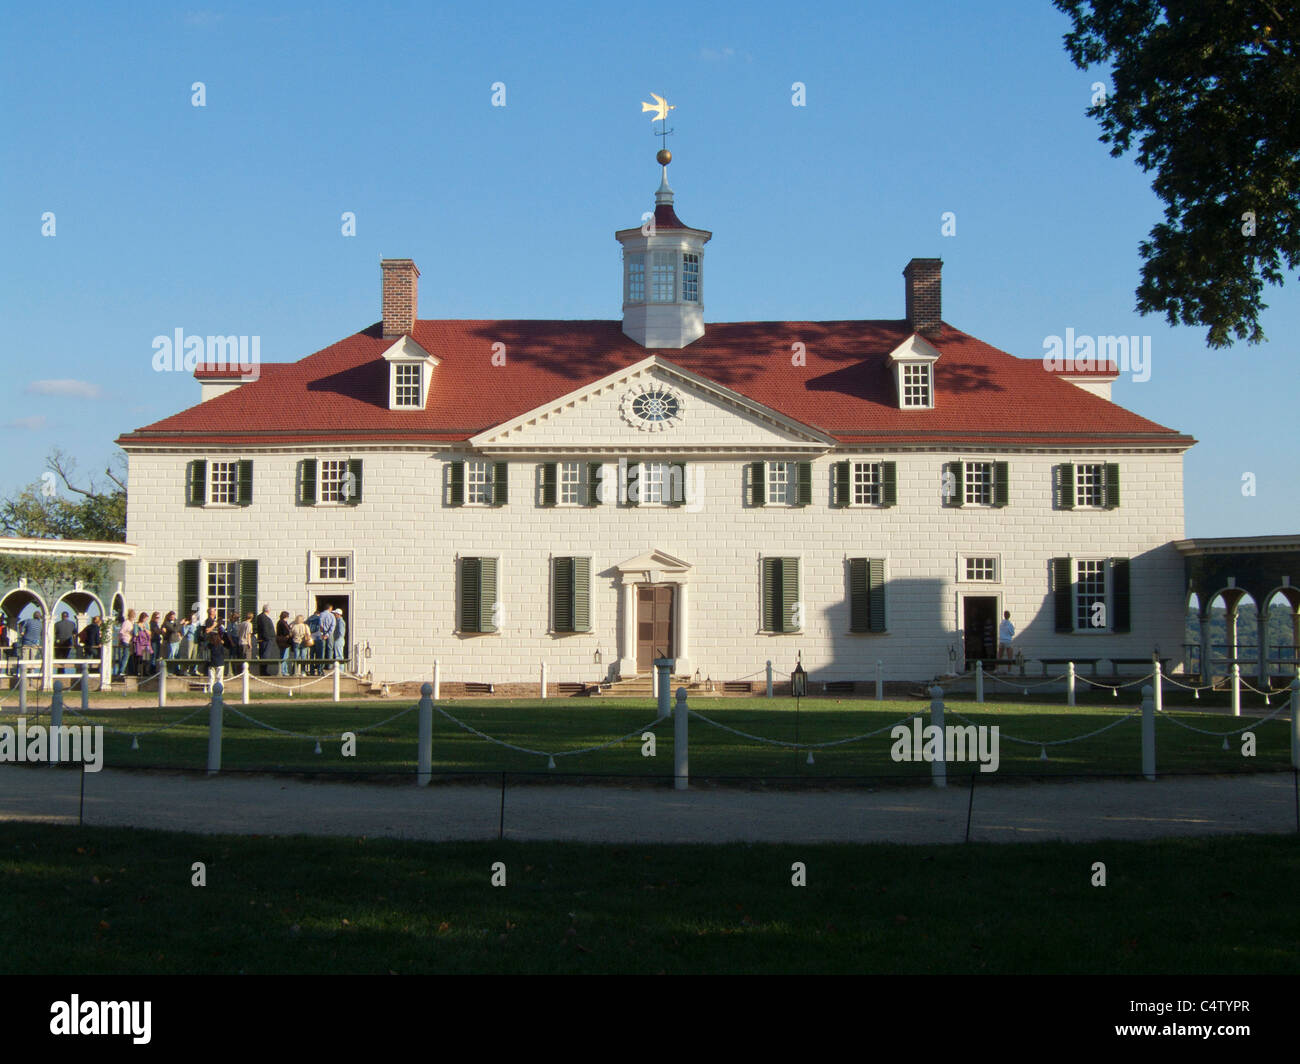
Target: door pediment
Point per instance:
(653, 567)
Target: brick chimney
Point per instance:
(400, 294)
(924, 294)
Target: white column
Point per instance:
(683, 647)
(627, 632)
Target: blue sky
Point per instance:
(226, 218)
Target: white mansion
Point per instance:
(595, 494)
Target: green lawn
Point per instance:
(561, 724)
(99, 901)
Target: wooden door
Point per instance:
(654, 625)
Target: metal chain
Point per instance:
(1051, 742)
(801, 746)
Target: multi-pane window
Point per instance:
(1090, 485)
(653, 480)
(982, 568)
(478, 482)
(333, 567)
(978, 480)
(406, 386)
(1090, 596)
(570, 483)
(663, 277)
(333, 477)
(224, 483)
(780, 483)
(866, 483)
(223, 580)
(916, 384)
(636, 279)
(691, 278)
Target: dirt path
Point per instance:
(1002, 812)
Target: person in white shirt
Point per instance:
(1006, 633)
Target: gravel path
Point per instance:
(1002, 812)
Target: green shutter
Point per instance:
(859, 600)
(757, 483)
(888, 484)
(487, 594)
(1119, 587)
(633, 481)
(952, 471)
(675, 488)
(562, 594)
(189, 589)
(1000, 484)
(876, 579)
(803, 484)
(550, 481)
(1064, 591)
(789, 592)
(196, 482)
(500, 483)
(771, 595)
(593, 483)
(247, 590)
(1065, 486)
(245, 483)
(470, 593)
(1112, 485)
(353, 482)
(457, 484)
(840, 496)
(307, 482)
(582, 594)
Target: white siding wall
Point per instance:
(404, 543)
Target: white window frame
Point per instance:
(636, 277)
(691, 276)
(663, 484)
(209, 567)
(1107, 595)
(879, 469)
(1099, 487)
(904, 369)
(967, 480)
(210, 482)
(656, 280)
(473, 466)
(336, 482)
(314, 559)
(791, 483)
(964, 558)
(395, 388)
(576, 483)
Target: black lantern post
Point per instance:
(798, 688)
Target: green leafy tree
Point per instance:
(1210, 92)
(62, 505)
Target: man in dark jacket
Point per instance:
(92, 638)
(265, 633)
(65, 632)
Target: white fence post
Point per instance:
(162, 684)
(56, 720)
(243, 683)
(664, 683)
(543, 681)
(424, 755)
(880, 681)
(681, 769)
(1159, 686)
(1069, 683)
(437, 669)
(769, 679)
(338, 670)
(85, 687)
(1148, 734)
(1236, 690)
(215, 709)
(22, 687)
(979, 681)
(106, 665)
(938, 767)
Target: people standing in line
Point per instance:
(300, 633)
(171, 633)
(284, 640)
(266, 648)
(244, 637)
(122, 648)
(313, 643)
(92, 638)
(325, 642)
(142, 644)
(33, 637)
(65, 634)
(340, 635)
(155, 641)
(214, 635)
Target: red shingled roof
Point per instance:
(846, 389)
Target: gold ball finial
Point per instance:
(664, 156)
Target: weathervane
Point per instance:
(660, 109)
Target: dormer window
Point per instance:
(663, 277)
(917, 386)
(690, 278)
(406, 386)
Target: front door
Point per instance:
(343, 602)
(654, 625)
(980, 623)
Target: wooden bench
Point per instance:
(479, 689)
(1115, 663)
(1065, 661)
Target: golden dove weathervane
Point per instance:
(660, 109)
